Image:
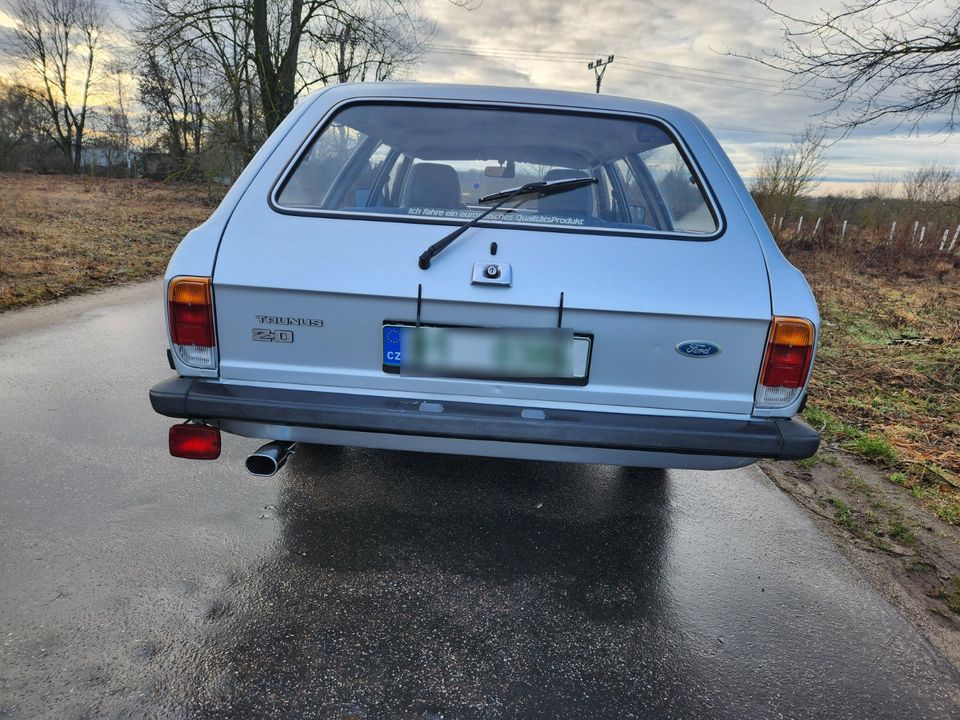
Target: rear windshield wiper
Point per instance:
(535, 189)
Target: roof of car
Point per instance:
(489, 93)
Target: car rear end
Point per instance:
(643, 318)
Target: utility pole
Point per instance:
(599, 67)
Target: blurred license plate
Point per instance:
(501, 353)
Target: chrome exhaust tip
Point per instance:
(268, 460)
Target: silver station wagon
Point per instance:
(488, 271)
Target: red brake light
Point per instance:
(789, 353)
(191, 312)
(195, 442)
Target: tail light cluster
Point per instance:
(786, 362)
(191, 322)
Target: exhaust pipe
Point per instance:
(266, 461)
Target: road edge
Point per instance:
(34, 317)
(873, 564)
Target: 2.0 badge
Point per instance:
(267, 335)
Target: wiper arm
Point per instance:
(542, 189)
(539, 189)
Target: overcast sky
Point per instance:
(671, 51)
(738, 99)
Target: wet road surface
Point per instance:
(373, 584)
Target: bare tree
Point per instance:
(930, 190)
(371, 42)
(114, 127)
(875, 59)
(174, 85)
(786, 174)
(364, 39)
(18, 122)
(276, 38)
(216, 40)
(58, 41)
(288, 44)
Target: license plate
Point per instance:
(528, 354)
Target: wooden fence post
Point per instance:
(955, 236)
(913, 237)
(923, 231)
(893, 227)
(799, 225)
(843, 232)
(943, 242)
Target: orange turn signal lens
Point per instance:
(795, 332)
(190, 290)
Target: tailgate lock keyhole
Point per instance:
(492, 273)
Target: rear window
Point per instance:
(430, 162)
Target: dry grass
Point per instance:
(63, 235)
(887, 381)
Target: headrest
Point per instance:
(577, 202)
(432, 185)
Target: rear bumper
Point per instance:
(779, 438)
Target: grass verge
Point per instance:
(62, 235)
(886, 385)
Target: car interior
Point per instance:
(438, 162)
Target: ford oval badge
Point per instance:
(697, 349)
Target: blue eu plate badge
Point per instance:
(392, 346)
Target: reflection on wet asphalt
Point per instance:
(373, 584)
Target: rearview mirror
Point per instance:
(501, 171)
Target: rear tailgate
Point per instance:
(319, 291)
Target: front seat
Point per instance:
(432, 185)
(578, 202)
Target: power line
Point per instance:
(703, 74)
(739, 77)
(521, 51)
(676, 75)
(644, 67)
(626, 59)
(885, 141)
(681, 72)
(633, 68)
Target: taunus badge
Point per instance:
(697, 349)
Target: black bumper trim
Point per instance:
(781, 438)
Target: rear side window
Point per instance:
(428, 163)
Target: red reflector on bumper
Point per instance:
(195, 442)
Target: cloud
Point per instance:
(666, 50)
(672, 52)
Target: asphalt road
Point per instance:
(370, 584)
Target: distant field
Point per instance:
(63, 235)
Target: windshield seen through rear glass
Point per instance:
(430, 162)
